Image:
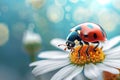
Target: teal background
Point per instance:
(18, 15)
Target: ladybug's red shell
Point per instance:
(91, 32)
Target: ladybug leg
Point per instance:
(80, 49)
(87, 49)
(96, 46)
(72, 49)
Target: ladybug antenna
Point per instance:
(65, 48)
(63, 45)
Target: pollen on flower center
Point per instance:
(94, 56)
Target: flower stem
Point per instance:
(32, 57)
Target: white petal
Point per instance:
(57, 41)
(42, 62)
(113, 56)
(111, 43)
(80, 77)
(113, 50)
(112, 64)
(104, 67)
(91, 71)
(112, 61)
(46, 62)
(76, 71)
(53, 55)
(64, 72)
(47, 67)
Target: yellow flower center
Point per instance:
(94, 56)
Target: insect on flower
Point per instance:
(86, 33)
(74, 68)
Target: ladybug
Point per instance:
(86, 33)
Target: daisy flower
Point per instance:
(31, 37)
(31, 42)
(106, 59)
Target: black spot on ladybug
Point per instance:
(86, 36)
(95, 35)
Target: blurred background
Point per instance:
(50, 19)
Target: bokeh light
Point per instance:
(108, 21)
(104, 2)
(81, 14)
(116, 4)
(23, 14)
(36, 4)
(40, 20)
(68, 16)
(55, 13)
(68, 8)
(74, 1)
(4, 33)
(60, 2)
(17, 29)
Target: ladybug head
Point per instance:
(93, 36)
(70, 44)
